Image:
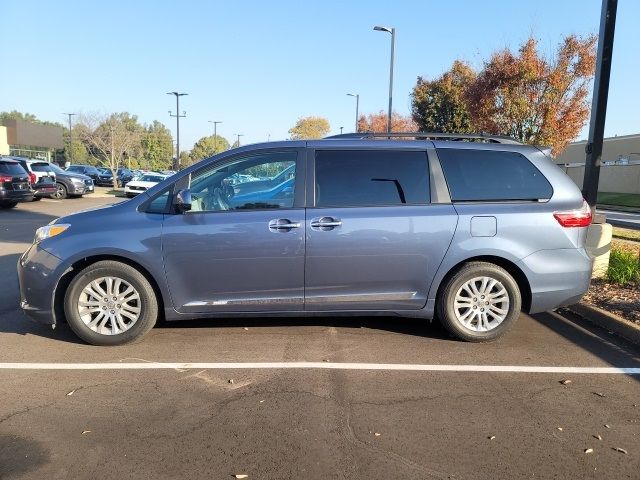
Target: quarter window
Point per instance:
(351, 178)
(258, 182)
(490, 175)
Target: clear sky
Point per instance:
(260, 65)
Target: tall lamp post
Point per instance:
(176, 163)
(392, 31)
(357, 95)
(215, 135)
(239, 135)
(70, 137)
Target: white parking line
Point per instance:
(318, 366)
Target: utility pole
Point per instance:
(392, 31)
(599, 102)
(176, 162)
(215, 135)
(70, 137)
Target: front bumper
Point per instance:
(38, 276)
(557, 277)
(80, 189)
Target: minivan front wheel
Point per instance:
(110, 303)
(479, 302)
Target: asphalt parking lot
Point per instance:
(321, 398)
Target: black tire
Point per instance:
(36, 199)
(61, 191)
(445, 304)
(8, 204)
(148, 303)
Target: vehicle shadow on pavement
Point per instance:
(612, 349)
(19, 225)
(405, 326)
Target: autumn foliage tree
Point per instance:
(534, 99)
(308, 128)
(377, 122)
(441, 105)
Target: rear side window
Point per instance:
(351, 178)
(11, 168)
(489, 175)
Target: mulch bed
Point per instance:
(623, 300)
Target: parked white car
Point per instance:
(145, 182)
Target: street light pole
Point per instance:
(357, 95)
(239, 135)
(341, 130)
(176, 163)
(392, 31)
(215, 135)
(70, 137)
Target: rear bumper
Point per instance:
(7, 196)
(556, 277)
(45, 191)
(38, 275)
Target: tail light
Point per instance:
(580, 217)
(5, 179)
(32, 178)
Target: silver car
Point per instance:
(469, 232)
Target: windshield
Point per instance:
(11, 168)
(151, 178)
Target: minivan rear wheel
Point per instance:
(479, 302)
(110, 303)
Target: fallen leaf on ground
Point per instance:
(599, 394)
(560, 428)
(621, 450)
(566, 381)
(377, 434)
(231, 380)
(84, 432)
(240, 475)
(588, 450)
(607, 426)
(597, 436)
(261, 401)
(70, 393)
(492, 437)
(245, 328)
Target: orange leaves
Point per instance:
(377, 122)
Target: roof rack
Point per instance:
(486, 137)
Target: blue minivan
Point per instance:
(467, 229)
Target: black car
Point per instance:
(15, 186)
(88, 170)
(105, 178)
(69, 184)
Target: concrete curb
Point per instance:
(607, 320)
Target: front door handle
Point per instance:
(282, 225)
(326, 223)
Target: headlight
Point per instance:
(78, 181)
(50, 231)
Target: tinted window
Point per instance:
(41, 167)
(486, 175)
(74, 168)
(159, 204)
(351, 178)
(11, 168)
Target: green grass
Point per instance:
(624, 266)
(620, 199)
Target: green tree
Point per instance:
(157, 147)
(441, 105)
(27, 117)
(308, 128)
(208, 146)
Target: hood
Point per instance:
(81, 176)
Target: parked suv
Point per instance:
(69, 184)
(469, 232)
(41, 176)
(14, 184)
(88, 170)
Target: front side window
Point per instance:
(351, 178)
(491, 175)
(256, 182)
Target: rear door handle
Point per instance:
(326, 223)
(282, 225)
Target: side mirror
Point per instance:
(183, 200)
